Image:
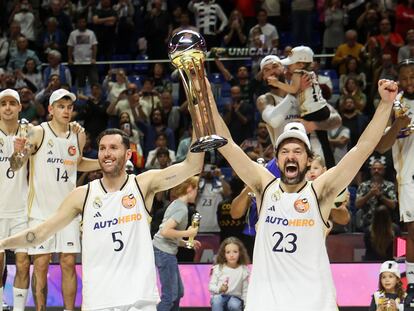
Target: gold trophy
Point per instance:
(23, 133)
(195, 222)
(187, 51)
(401, 109)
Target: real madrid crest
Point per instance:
(1, 142)
(50, 143)
(301, 205)
(129, 201)
(276, 195)
(97, 203)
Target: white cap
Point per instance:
(60, 93)
(293, 130)
(11, 93)
(298, 54)
(269, 59)
(390, 266)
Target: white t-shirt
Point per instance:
(26, 21)
(82, 42)
(269, 31)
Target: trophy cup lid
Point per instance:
(186, 43)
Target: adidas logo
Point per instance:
(97, 215)
(41, 247)
(50, 152)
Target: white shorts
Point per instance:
(65, 241)
(405, 200)
(11, 226)
(130, 308)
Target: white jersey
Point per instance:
(311, 99)
(13, 187)
(291, 269)
(52, 172)
(207, 203)
(118, 265)
(403, 150)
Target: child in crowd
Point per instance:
(390, 294)
(229, 276)
(313, 107)
(339, 216)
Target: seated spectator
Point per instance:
(42, 97)
(161, 81)
(373, 193)
(52, 38)
(352, 88)
(271, 36)
(125, 125)
(127, 101)
(55, 67)
(4, 48)
(353, 70)
(171, 113)
(149, 97)
(30, 111)
(31, 73)
(18, 59)
(94, 112)
(160, 143)
(350, 48)
(235, 31)
(407, 51)
(114, 88)
(379, 236)
(23, 14)
(14, 34)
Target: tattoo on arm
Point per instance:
(30, 237)
(170, 177)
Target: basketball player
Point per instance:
(55, 153)
(277, 108)
(13, 189)
(401, 140)
(290, 256)
(117, 255)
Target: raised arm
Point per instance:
(292, 88)
(86, 164)
(240, 204)
(390, 136)
(68, 210)
(26, 147)
(329, 184)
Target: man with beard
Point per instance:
(290, 254)
(277, 109)
(115, 211)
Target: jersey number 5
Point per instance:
(119, 245)
(290, 240)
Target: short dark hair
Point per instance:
(162, 151)
(114, 131)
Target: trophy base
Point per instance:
(208, 143)
(189, 245)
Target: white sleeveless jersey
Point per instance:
(13, 188)
(403, 151)
(117, 253)
(291, 269)
(311, 99)
(52, 172)
(207, 203)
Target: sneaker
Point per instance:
(409, 299)
(6, 307)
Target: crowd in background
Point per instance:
(50, 44)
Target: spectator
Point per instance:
(352, 88)
(379, 235)
(271, 36)
(158, 30)
(104, 20)
(160, 143)
(339, 140)
(259, 146)
(350, 48)
(235, 32)
(18, 59)
(238, 116)
(64, 21)
(125, 125)
(4, 48)
(161, 81)
(335, 22)
(23, 14)
(52, 38)
(373, 193)
(368, 23)
(42, 97)
(171, 113)
(87, 8)
(94, 112)
(273, 9)
(149, 97)
(115, 88)
(55, 67)
(404, 17)
(126, 100)
(30, 111)
(184, 22)
(385, 70)
(14, 34)
(126, 28)
(82, 48)
(31, 73)
(353, 70)
(207, 16)
(302, 14)
(407, 51)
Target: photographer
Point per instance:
(149, 98)
(114, 88)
